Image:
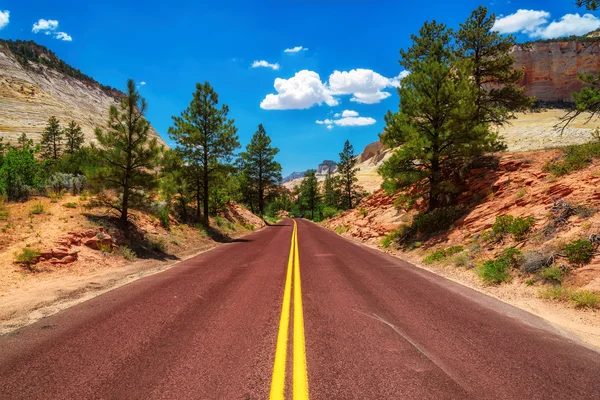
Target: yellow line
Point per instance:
(278, 379)
(300, 373)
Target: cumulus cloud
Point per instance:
(535, 24)
(4, 16)
(301, 91)
(569, 24)
(45, 26)
(142, 83)
(295, 49)
(348, 118)
(49, 27)
(265, 64)
(365, 85)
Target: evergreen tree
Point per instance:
(347, 175)
(22, 141)
(127, 151)
(205, 138)
(174, 184)
(259, 163)
(309, 192)
(52, 139)
(74, 137)
(332, 193)
(436, 127)
(492, 69)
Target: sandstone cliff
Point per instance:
(31, 92)
(551, 68)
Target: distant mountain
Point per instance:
(35, 84)
(292, 176)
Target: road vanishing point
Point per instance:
(295, 311)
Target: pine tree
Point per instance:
(127, 151)
(22, 141)
(51, 139)
(332, 194)
(309, 192)
(436, 127)
(492, 69)
(347, 175)
(205, 138)
(74, 137)
(259, 162)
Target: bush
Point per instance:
(396, 236)
(363, 212)
(27, 257)
(574, 158)
(507, 224)
(329, 212)
(552, 274)
(494, 271)
(463, 260)
(19, 173)
(442, 254)
(59, 182)
(341, 229)
(438, 220)
(584, 299)
(126, 253)
(38, 208)
(534, 261)
(158, 245)
(512, 257)
(70, 205)
(579, 252)
(555, 293)
(163, 217)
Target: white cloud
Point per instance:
(263, 63)
(49, 27)
(349, 118)
(301, 91)
(4, 18)
(45, 25)
(336, 115)
(365, 85)
(63, 36)
(295, 49)
(569, 24)
(524, 21)
(142, 83)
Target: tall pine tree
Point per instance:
(347, 175)
(51, 142)
(309, 192)
(74, 137)
(205, 138)
(127, 151)
(259, 163)
(437, 127)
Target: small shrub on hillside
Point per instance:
(530, 281)
(405, 202)
(552, 274)
(329, 212)
(507, 224)
(396, 236)
(27, 257)
(126, 253)
(579, 252)
(521, 193)
(38, 208)
(70, 205)
(463, 259)
(574, 158)
(442, 254)
(249, 227)
(105, 248)
(163, 217)
(584, 299)
(494, 271)
(363, 212)
(342, 229)
(156, 244)
(555, 293)
(512, 257)
(438, 220)
(59, 182)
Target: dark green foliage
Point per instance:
(513, 257)
(441, 254)
(129, 155)
(25, 51)
(508, 225)
(309, 193)
(70, 205)
(74, 137)
(258, 161)
(51, 142)
(397, 236)
(205, 139)
(85, 161)
(19, 172)
(589, 4)
(174, 184)
(574, 158)
(332, 195)
(329, 212)
(579, 252)
(347, 176)
(437, 220)
(494, 271)
(163, 217)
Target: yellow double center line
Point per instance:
(300, 376)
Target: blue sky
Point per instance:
(172, 45)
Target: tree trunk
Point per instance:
(198, 199)
(205, 199)
(124, 206)
(434, 184)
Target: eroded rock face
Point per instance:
(30, 95)
(551, 68)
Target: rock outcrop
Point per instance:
(551, 68)
(31, 92)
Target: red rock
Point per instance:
(89, 233)
(46, 254)
(60, 252)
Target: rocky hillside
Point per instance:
(551, 67)
(32, 91)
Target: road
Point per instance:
(344, 322)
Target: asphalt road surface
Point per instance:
(286, 313)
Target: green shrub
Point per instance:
(105, 248)
(507, 224)
(555, 293)
(70, 205)
(59, 182)
(530, 281)
(163, 217)
(512, 257)
(574, 158)
(38, 208)
(158, 245)
(494, 271)
(521, 193)
(363, 212)
(395, 236)
(249, 227)
(126, 253)
(521, 227)
(27, 257)
(584, 299)
(463, 260)
(438, 220)
(552, 274)
(442, 254)
(579, 252)
(341, 229)
(329, 212)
